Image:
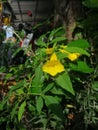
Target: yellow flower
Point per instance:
(63, 51)
(73, 56)
(53, 66)
(49, 50)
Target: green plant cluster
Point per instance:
(68, 100)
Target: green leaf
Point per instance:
(39, 73)
(40, 41)
(60, 32)
(64, 82)
(62, 55)
(3, 102)
(20, 91)
(91, 3)
(55, 31)
(8, 76)
(58, 91)
(14, 110)
(48, 87)
(77, 50)
(31, 107)
(21, 110)
(81, 43)
(2, 119)
(95, 85)
(38, 79)
(39, 104)
(37, 26)
(17, 51)
(17, 86)
(58, 39)
(81, 66)
(2, 69)
(36, 90)
(53, 104)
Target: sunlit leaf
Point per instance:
(77, 50)
(81, 43)
(21, 110)
(14, 110)
(81, 66)
(63, 80)
(58, 39)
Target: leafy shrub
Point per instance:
(48, 85)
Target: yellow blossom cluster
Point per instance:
(54, 66)
(71, 56)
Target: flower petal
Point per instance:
(73, 56)
(53, 66)
(53, 57)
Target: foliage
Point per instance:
(45, 84)
(57, 85)
(91, 3)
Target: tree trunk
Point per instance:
(66, 13)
